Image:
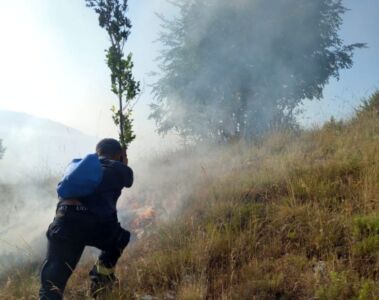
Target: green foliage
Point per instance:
(366, 244)
(370, 105)
(334, 124)
(236, 69)
(113, 18)
(367, 247)
(127, 125)
(338, 287)
(2, 149)
(369, 290)
(366, 226)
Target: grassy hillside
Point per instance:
(294, 217)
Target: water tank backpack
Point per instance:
(81, 178)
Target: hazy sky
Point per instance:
(52, 62)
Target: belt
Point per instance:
(70, 205)
(78, 211)
(71, 202)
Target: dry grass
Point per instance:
(294, 217)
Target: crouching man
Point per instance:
(89, 221)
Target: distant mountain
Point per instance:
(38, 146)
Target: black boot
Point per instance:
(101, 284)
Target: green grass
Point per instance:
(293, 217)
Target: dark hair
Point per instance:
(108, 148)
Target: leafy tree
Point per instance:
(2, 149)
(235, 69)
(113, 18)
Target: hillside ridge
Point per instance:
(294, 216)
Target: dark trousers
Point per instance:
(73, 228)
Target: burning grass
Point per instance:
(294, 217)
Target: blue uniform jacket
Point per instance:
(116, 176)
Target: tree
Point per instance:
(113, 18)
(235, 69)
(2, 149)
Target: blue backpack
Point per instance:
(81, 178)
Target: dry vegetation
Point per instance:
(293, 217)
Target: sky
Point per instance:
(52, 63)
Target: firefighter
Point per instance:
(89, 221)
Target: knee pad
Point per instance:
(123, 239)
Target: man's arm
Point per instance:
(125, 160)
(127, 172)
(127, 175)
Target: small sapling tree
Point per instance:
(113, 18)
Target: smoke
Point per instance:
(239, 68)
(163, 183)
(38, 151)
(26, 210)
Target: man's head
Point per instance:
(109, 148)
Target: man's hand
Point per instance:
(124, 157)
